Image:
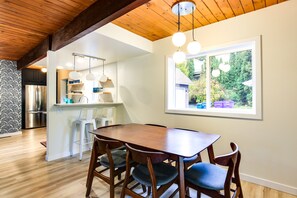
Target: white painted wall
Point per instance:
(268, 146)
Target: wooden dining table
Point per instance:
(179, 143)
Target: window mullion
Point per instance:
(208, 101)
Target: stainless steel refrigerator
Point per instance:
(35, 106)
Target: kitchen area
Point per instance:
(85, 75)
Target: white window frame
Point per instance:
(254, 113)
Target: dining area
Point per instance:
(152, 158)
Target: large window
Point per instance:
(224, 82)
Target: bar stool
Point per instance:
(85, 120)
(107, 118)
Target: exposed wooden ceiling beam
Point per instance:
(95, 16)
(35, 54)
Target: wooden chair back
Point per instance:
(230, 161)
(145, 156)
(105, 145)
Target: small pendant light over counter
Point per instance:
(90, 76)
(74, 75)
(103, 77)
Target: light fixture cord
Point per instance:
(74, 62)
(178, 15)
(89, 65)
(193, 26)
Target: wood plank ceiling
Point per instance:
(155, 19)
(24, 24)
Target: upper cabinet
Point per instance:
(33, 77)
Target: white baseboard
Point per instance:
(271, 184)
(11, 134)
(64, 154)
(57, 156)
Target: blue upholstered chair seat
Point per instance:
(190, 159)
(118, 156)
(164, 173)
(207, 176)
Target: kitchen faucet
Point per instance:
(79, 100)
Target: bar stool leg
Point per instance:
(90, 136)
(94, 124)
(73, 135)
(82, 133)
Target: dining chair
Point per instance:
(212, 180)
(106, 154)
(150, 171)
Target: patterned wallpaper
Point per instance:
(10, 97)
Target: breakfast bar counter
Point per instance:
(88, 104)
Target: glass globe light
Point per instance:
(227, 68)
(103, 78)
(194, 47)
(74, 75)
(222, 66)
(215, 72)
(179, 39)
(179, 57)
(90, 77)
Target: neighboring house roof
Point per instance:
(181, 78)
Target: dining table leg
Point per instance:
(182, 192)
(210, 154)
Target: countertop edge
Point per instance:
(88, 104)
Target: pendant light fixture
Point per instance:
(90, 76)
(103, 77)
(74, 75)
(179, 56)
(181, 8)
(178, 38)
(194, 46)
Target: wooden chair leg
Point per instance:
(198, 194)
(111, 188)
(143, 188)
(188, 191)
(89, 184)
(92, 167)
(149, 190)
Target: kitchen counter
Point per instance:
(88, 104)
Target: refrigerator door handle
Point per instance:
(33, 112)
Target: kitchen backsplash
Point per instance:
(10, 97)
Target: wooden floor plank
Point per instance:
(25, 173)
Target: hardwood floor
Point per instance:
(25, 173)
